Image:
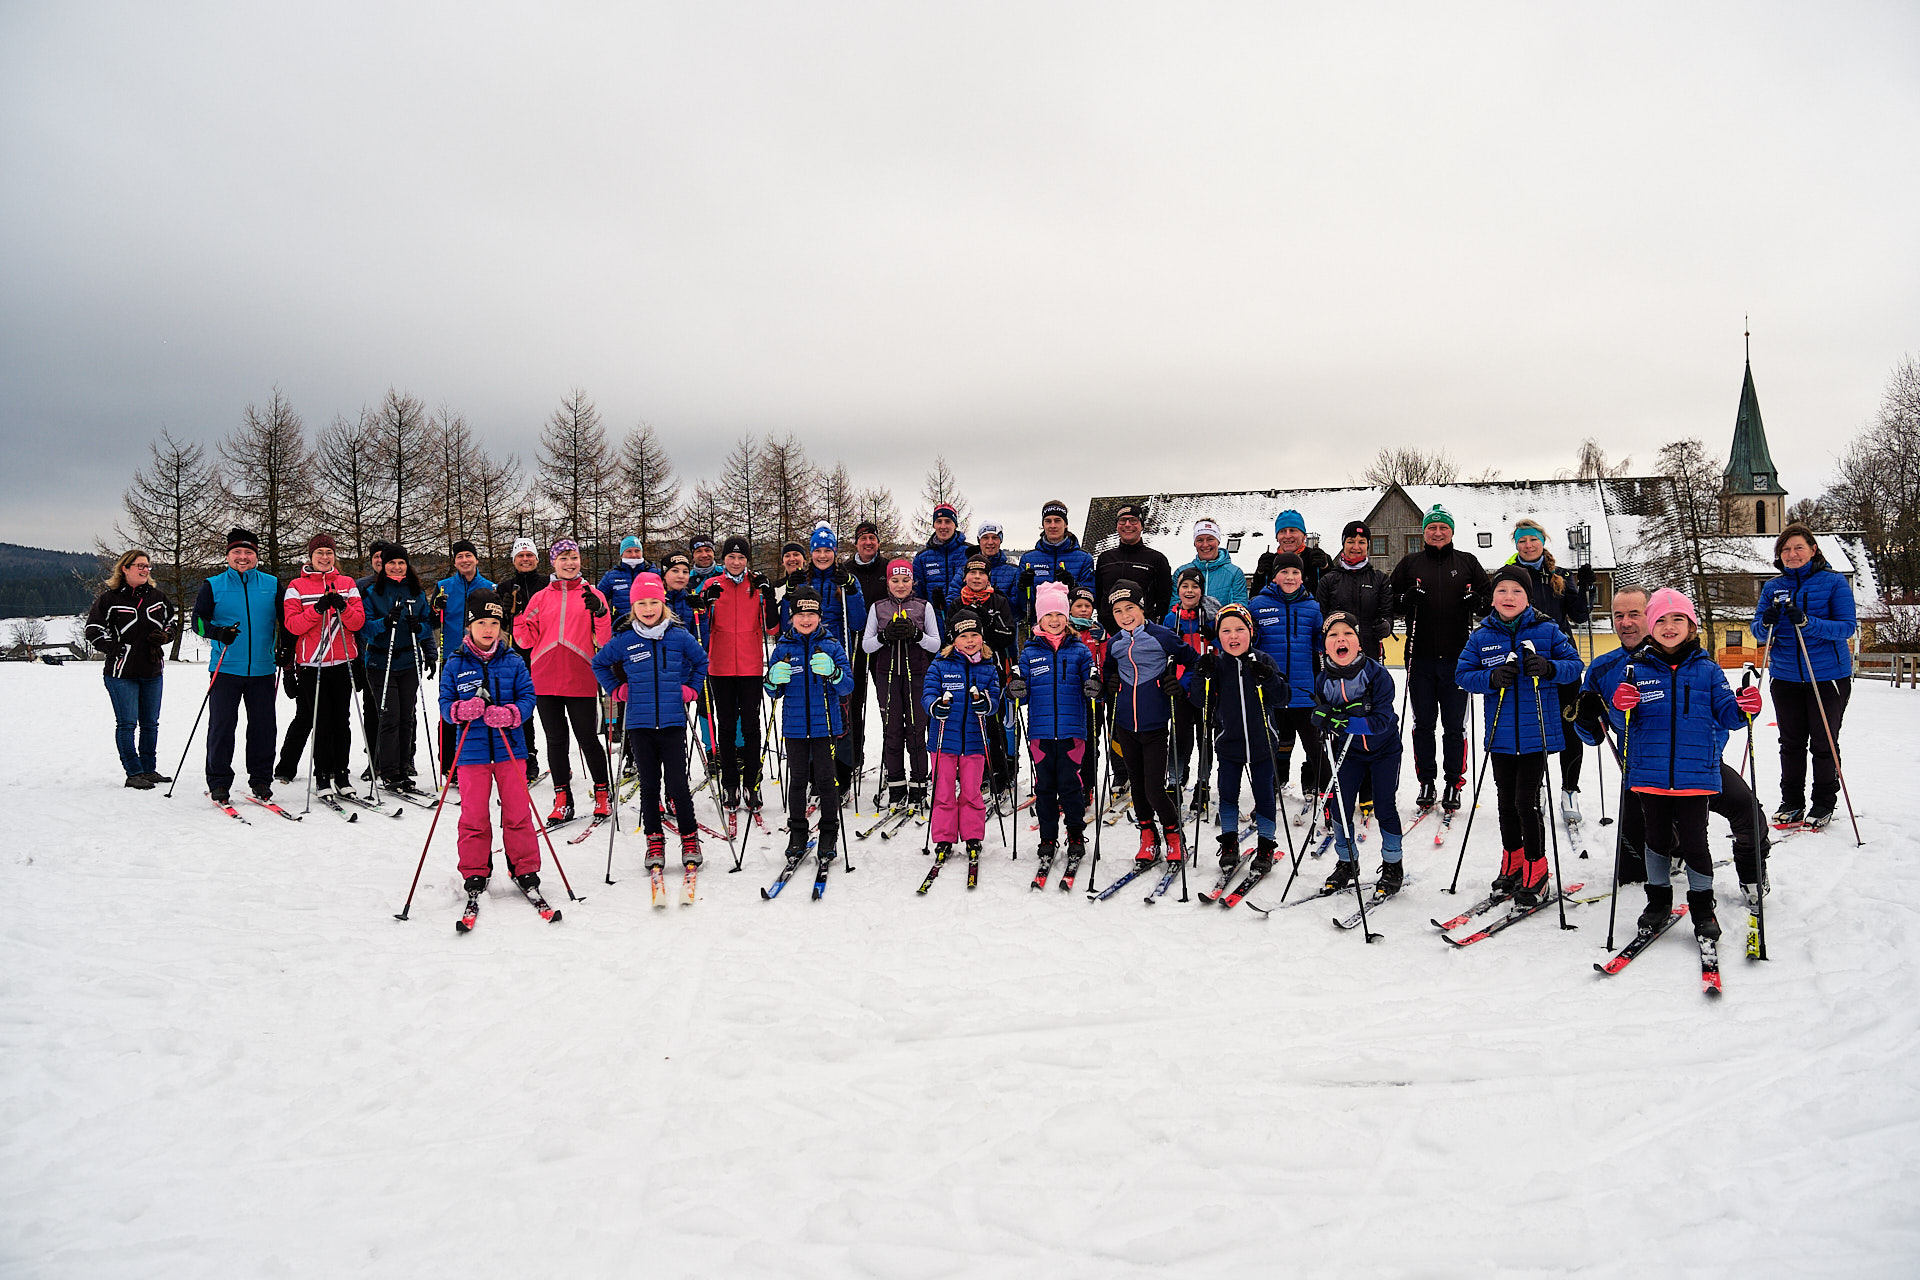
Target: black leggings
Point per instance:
(1802, 734)
(736, 703)
(1146, 758)
(657, 754)
(1516, 780)
(810, 764)
(1677, 824)
(1056, 787)
(584, 713)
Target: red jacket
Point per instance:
(308, 624)
(561, 638)
(740, 620)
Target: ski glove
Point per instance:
(426, 666)
(595, 605)
(469, 708)
(1795, 614)
(1586, 577)
(713, 589)
(1590, 712)
(1627, 697)
(219, 634)
(290, 683)
(332, 600)
(1539, 666)
(1092, 688)
(901, 630)
(1748, 700)
(1170, 682)
(689, 694)
(943, 704)
(978, 695)
(1504, 676)
(780, 672)
(822, 664)
(502, 716)
(1017, 688)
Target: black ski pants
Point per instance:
(1734, 803)
(1574, 751)
(223, 721)
(903, 726)
(1435, 696)
(583, 713)
(659, 757)
(1297, 722)
(1801, 734)
(1517, 781)
(1056, 787)
(1677, 824)
(1146, 757)
(810, 767)
(736, 700)
(390, 702)
(1186, 725)
(324, 708)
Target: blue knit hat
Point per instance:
(823, 539)
(629, 543)
(1289, 519)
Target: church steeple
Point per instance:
(1751, 496)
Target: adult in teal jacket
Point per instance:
(1807, 604)
(1223, 579)
(239, 611)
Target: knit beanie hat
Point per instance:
(238, 537)
(1665, 601)
(482, 603)
(1049, 597)
(1437, 514)
(736, 543)
(1289, 519)
(647, 586)
(320, 540)
(1513, 573)
(1289, 560)
(823, 539)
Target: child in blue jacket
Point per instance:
(1140, 683)
(486, 695)
(1679, 702)
(809, 675)
(1353, 703)
(1287, 623)
(658, 669)
(1521, 727)
(1191, 618)
(961, 690)
(1051, 676)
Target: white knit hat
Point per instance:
(524, 544)
(1206, 526)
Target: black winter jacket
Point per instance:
(1441, 593)
(132, 629)
(1365, 592)
(1140, 564)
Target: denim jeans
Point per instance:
(135, 703)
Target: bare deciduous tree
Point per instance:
(651, 490)
(574, 466)
(941, 486)
(175, 508)
(785, 485)
(406, 460)
(1408, 465)
(838, 499)
(497, 496)
(268, 474)
(22, 632)
(347, 481)
(876, 504)
(1686, 524)
(1877, 488)
(1591, 463)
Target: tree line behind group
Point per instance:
(396, 472)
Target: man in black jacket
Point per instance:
(1440, 590)
(1132, 561)
(869, 569)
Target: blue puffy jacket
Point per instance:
(656, 666)
(1135, 661)
(1604, 676)
(506, 680)
(616, 584)
(1061, 561)
(394, 607)
(450, 603)
(1676, 735)
(1287, 629)
(1003, 572)
(1056, 679)
(1520, 712)
(1240, 688)
(694, 620)
(1828, 602)
(1220, 577)
(939, 571)
(957, 733)
(1375, 729)
(843, 624)
(249, 601)
(811, 703)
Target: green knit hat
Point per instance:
(1437, 514)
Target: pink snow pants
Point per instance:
(961, 815)
(476, 782)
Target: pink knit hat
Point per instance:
(1665, 601)
(648, 586)
(1049, 597)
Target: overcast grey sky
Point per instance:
(1080, 248)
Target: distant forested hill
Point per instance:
(35, 581)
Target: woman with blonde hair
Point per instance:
(131, 624)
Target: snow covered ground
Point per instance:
(224, 1057)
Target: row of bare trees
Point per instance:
(399, 473)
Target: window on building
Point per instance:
(1377, 545)
(1760, 517)
(1713, 591)
(1736, 639)
(1233, 543)
(1413, 543)
(1485, 540)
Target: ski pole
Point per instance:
(833, 755)
(1017, 735)
(1547, 819)
(1105, 770)
(1759, 834)
(1619, 837)
(1200, 770)
(1273, 751)
(313, 719)
(1833, 746)
(526, 789)
(1486, 754)
(188, 745)
(933, 800)
(446, 784)
(1346, 825)
(713, 783)
(999, 818)
(613, 828)
(1321, 796)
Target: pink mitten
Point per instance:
(503, 716)
(469, 708)
(689, 694)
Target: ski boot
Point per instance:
(1149, 846)
(917, 796)
(1570, 806)
(1392, 876)
(219, 795)
(1345, 872)
(1820, 815)
(528, 882)
(1450, 801)
(656, 850)
(1262, 857)
(1176, 847)
(1700, 907)
(941, 848)
(973, 863)
(753, 797)
(1229, 850)
(690, 855)
(1532, 885)
(284, 779)
(1788, 815)
(1200, 798)
(1511, 863)
(730, 797)
(261, 791)
(1752, 893)
(1427, 796)
(602, 803)
(1659, 907)
(475, 884)
(533, 770)
(562, 806)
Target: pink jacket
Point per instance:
(562, 637)
(308, 624)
